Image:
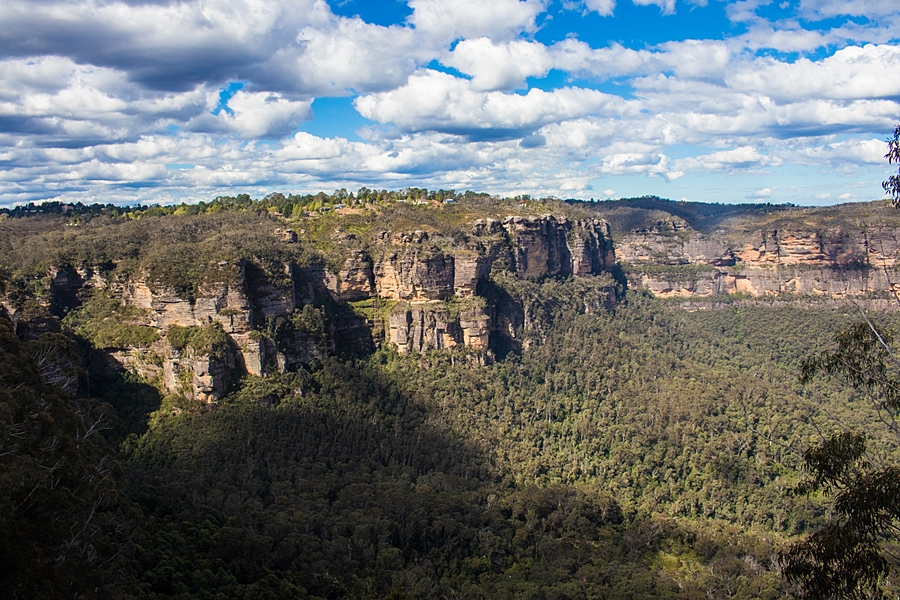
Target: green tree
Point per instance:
(892, 185)
(854, 556)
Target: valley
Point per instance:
(482, 398)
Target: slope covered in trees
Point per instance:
(636, 452)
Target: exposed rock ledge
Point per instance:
(835, 264)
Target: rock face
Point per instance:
(425, 290)
(436, 326)
(790, 262)
(355, 281)
(418, 290)
(546, 246)
(415, 274)
(423, 271)
(413, 268)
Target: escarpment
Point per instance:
(205, 300)
(432, 281)
(200, 321)
(672, 260)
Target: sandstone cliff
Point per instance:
(414, 290)
(429, 272)
(673, 260)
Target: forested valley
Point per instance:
(609, 443)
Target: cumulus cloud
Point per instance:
(603, 7)
(505, 65)
(745, 157)
(58, 101)
(839, 155)
(667, 7)
(500, 66)
(286, 46)
(760, 194)
(448, 20)
(348, 55)
(850, 73)
(824, 9)
(165, 45)
(436, 101)
(254, 115)
(102, 95)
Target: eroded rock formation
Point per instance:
(425, 290)
(763, 263)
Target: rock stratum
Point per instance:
(206, 299)
(412, 290)
(672, 260)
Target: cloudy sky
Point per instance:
(711, 100)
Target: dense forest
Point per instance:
(639, 451)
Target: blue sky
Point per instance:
(711, 100)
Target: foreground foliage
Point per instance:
(855, 555)
(63, 518)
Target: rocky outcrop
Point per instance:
(546, 246)
(835, 264)
(225, 304)
(437, 326)
(437, 279)
(419, 273)
(671, 248)
(198, 377)
(355, 281)
(425, 270)
(539, 246)
(590, 247)
(471, 267)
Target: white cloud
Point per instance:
(744, 11)
(255, 115)
(500, 66)
(759, 194)
(348, 55)
(167, 45)
(844, 154)
(448, 20)
(99, 90)
(745, 157)
(603, 7)
(667, 7)
(854, 72)
(824, 9)
(440, 102)
(284, 46)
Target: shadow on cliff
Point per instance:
(507, 315)
(346, 481)
(132, 398)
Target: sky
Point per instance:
(159, 101)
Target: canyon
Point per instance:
(346, 289)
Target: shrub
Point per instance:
(210, 339)
(115, 335)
